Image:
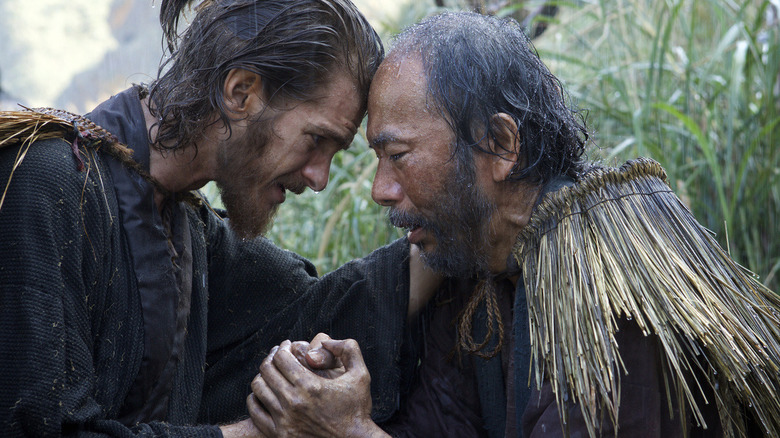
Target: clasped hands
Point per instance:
(320, 388)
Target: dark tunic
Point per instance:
(74, 335)
(447, 397)
(444, 399)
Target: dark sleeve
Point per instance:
(644, 411)
(55, 267)
(260, 295)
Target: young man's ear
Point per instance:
(242, 93)
(505, 146)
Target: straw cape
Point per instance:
(24, 128)
(620, 244)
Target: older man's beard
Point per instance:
(459, 223)
(249, 218)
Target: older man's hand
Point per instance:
(289, 399)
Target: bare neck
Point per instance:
(514, 205)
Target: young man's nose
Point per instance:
(317, 170)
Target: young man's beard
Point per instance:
(249, 217)
(459, 224)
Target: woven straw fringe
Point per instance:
(24, 128)
(621, 244)
(38, 124)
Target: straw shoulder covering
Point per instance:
(44, 123)
(620, 244)
(24, 128)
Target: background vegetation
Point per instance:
(694, 85)
(690, 83)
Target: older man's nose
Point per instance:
(386, 190)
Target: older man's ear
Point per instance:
(504, 145)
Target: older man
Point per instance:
(635, 321)
(127, 306)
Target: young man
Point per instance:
(128, 306)
(630, 316)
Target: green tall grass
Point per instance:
(694, 85)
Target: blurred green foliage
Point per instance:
(694, 85)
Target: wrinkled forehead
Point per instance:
(400, 67)
(399, 105)
(398, 85)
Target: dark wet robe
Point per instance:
(117, 320)
(466, 397)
